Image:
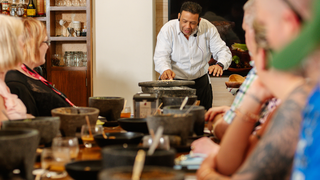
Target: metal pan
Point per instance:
(118, 138)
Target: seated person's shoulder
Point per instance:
(15, 76)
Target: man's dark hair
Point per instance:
(191, 7)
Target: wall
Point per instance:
(123, 46)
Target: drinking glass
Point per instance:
(70, 143)
(68, 3)
(83, 3)
(126, 112)
(87, 136)
(75, 3)
(164, 142)
(53, 162)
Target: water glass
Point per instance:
(87, 136)
(53, 161)
(70, 143)
(164, 142)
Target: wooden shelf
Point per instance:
(66, 68)
(68, 38)
(68, 8)
(44, 19)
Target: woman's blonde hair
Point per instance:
(10, 50)
(34, 34)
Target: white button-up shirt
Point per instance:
(188, 59)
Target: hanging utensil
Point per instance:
(184, 102)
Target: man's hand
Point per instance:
(204, 145)
(167, 75)
(216, 70)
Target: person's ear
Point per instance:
(178, 16)
(261, 60)
(199, 21)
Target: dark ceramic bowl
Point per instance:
(196, 111)
(134, 125)
(71, 119)
(148, 173)
(173, 124)
(18, 151)
(118, 138)
(84, 170)
(169, 101)
(48, 127)
(110, 107)
(114, 156)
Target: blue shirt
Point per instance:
(307, 158)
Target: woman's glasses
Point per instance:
(294, 10)
(47, 42)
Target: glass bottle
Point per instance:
(13, 8)
(22, 9)
(5, 8)
(31, 9)
(40, 8)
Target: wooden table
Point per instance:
(94, 153)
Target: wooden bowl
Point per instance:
(235, 81)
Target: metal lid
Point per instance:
(166, 83)
(145, 96)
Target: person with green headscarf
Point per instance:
(273, 156)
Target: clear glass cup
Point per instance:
(83, 2)
(70, 143)
(75, 3)
(84, 59)
(87, 136)
(68, 2)
(53, 162)
(55, 60)
(126, 112)
(164, 142)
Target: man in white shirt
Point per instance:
(184, 47)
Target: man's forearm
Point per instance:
(273, 156)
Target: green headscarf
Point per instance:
(308, 40)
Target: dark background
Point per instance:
(225, 10)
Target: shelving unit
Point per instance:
(74, 82)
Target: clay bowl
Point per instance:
(134, 125)
(18, 151)
(170, 101)
(84, 170)
(173, 124)
(148, 173)
(115, 156)
(197, 113)
(48, 127)
(71, 119)
(110, 107)
(118, 138)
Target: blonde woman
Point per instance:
(10, 56)
(38, 95)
